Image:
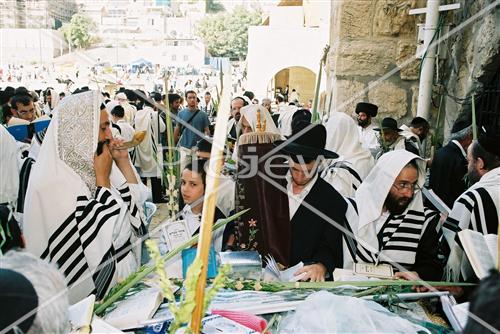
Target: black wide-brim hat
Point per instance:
(309, 144)
(388, 123)
(368, 108)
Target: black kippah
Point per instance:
(17, 298)
(490, 142)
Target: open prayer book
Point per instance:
(272, 272)
(80, 315)
(481, 251)
(133, 311)
(26, 131)
(456, 313)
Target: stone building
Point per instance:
(372, 58)
(371, 44)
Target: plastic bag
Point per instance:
(324, 312)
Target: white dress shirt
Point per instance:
(295, 200)
(368, 138)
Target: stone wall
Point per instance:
(474, 57)
(372, 43)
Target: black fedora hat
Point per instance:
(368, 108)
(309, 144)
(388, 123)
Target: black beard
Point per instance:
(364, 123)
(397, 206)
(473, 177)
(100, 146)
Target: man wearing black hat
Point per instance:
(449, 165)
(367, 135)
(390, 138)
(477, 208)
(314, 240)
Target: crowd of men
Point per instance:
(349, 190)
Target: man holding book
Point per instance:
(478, 207)
(390, 227)
(315, 207)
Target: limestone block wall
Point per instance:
(474, 57)
(371, 46)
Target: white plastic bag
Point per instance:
(324, 312)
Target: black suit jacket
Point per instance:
(447, 173)
(313, 238)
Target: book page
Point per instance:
(215, 324)
(132, 312)
(288, 275)
(175, 234)
(80, 315)
(477, 251)
(373, 270)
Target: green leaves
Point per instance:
(78, 31)
(226, 35)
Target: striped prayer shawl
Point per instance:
(342, 177)
(476, 209)
(398, 238)
(23, 182)
(83, 244)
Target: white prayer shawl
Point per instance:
(285, 120)
(343, 138)
(48, 108)
(342, 177)
(250, 114)
(9, 167)
(368, 138)
(402, 233)
(232, 122)
(409, 135)
(477, 209)
(148, 154)
(67, 221)
(130, 112)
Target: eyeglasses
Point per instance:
(25, 112)
(400, 186)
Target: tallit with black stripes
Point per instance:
(476, 209)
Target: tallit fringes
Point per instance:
(258, 138)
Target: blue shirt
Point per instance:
(199, 122)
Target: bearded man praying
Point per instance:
(83, 206)
(389, 223)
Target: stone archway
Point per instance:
(300, 78)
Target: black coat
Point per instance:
(313, 238)
(447, 173)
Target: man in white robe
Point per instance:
(76, 214)
(148, 156)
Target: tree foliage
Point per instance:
(79, 31)
(226, 34)
(213, 6)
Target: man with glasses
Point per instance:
(389, 222)
(23, 108)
